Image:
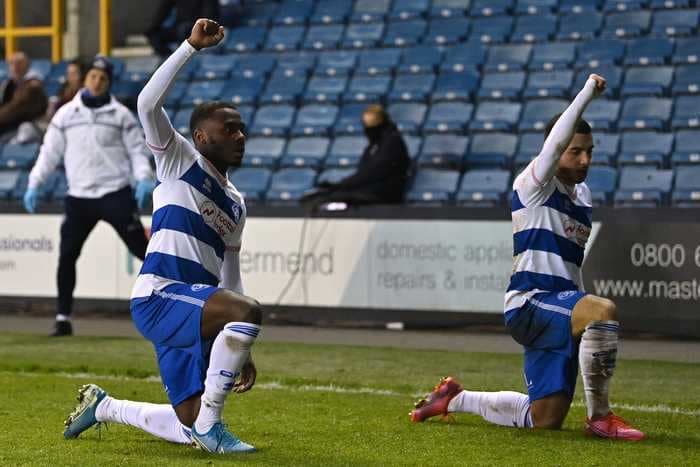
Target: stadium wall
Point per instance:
(438, 264)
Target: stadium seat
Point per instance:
(315, 119)
(654, 81)
(325, 89)
(334, 175)
(349, 119)
(538, 113)
(409, 9)
(289, 185)
(483, 188)
(213, 67)
(502, 85)
(252, 182)
(579, 6)
(18, 156)
(272, 120)
(496, 116)
(284, 87)
(552, 56)
(282, 38)
(534, 28)
(336, 62)
(443, 151)
(661, 4)
(414, 144)
(624, 5)
(408, 117)
(605, 148)
(433, 187)
(627, 24)
(597, 52)
(686, 191)
(202, 91)
(687, 51)
(404, 33)
(643, 187)
(259, 14)
(464, 57)
(8, 182)
(536, 7)
(687, 80)
(579, 27)
(645, 148)
(60, 190)
(455, 86)
(378, 61)
(685, 112)
(674, 23)
(447, 31)
(449, 8)
(242, 90)
(645, 113)
(173, 98)
(602, 181)
(370, 11)
(648, 51)
(254, 66)
(491, 150)
(293, 12)
(420, 59)
(346, 151)
(264, 152)
(549, 84)
(360, 36)
(491, 7)
(367, 88)
(687, 150)
(508, 57)
(181, 121)
(305, 152)
(448, 117)
(602, 114)
(245, 39)
(301, 62)
(529, 147)
(491, 30)
(323, 37)
(613, 76)
(331, 11)
(412, 88)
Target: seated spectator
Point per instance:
(173, 22)
(22, 95)
(383, 170)
(70, 87)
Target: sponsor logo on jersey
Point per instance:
(576, 232)
(216, 219)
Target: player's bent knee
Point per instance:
(549, 423)
(608, 310)
(253, 313)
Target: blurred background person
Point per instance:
(23, 99)
(70, 87)
(173, 21)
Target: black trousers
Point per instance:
(82, 214)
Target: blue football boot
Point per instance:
(219, 440)
(83, 416)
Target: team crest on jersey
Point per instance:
(216, 219)
(237, 211)
(198, 287)
(207, 185)
(565, 295)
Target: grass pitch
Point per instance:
(331, 405)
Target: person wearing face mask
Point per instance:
(383, 170)
(22, 97)
(102, 148)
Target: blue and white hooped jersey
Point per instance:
(551, 226)
(198, 219)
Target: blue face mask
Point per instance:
(94, 101)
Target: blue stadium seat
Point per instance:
(181, 121)
(349, 119)
(404, 33)
(289, 185)
(258, 14)
(408, 117)
(336, 62)
(464, 57)
(674, 23)
(272, 120)
(686, 191)
(687, 150)
(685, 112)
(301, 62)
(483, 188)
(536, 7)
(334, 175)
(213, 67)
(496, 116)
(447, 31)
(687, 80)
(602, 114)
(128, 90)
(491, 7)
(602, 181)
(252, 182)
(242, 90)
(579, 6)
(41, 66)
(491, 30)
(605, 148)
(246, 112)
(549, 83)
(20, 187)
(448, 117)
(284, 87)
(613, 75)
(597, 52)
(645, 148)
(323, 37)
(648, 51)
(370, 11)
(346, 151)
(412, 88)
(508, 57)
(9, 180)
(645, 113)
(449, 8)
(378, 61)
(433, 187)
(360, 36)
(409, 9)
(414, 145)
(420, 59)
(579, 27)
(624, 5)
(18, 156)
(245, 39)
(538, 113)
(331, 11)
(315, 119)
(281, 38)
(643, 187)
(172, 100)
(492, 150)
(367, 88)
(60, 190)
(627, 24)
(443, 151)
(254, 66)
(534, 28)
(529, 146)
(502, 85)
(294, 12)
(455, 86)
(654, 81)
(662, 4)
(552, 56)
(202, 91)
(263, 152)
(305, 152)
(325, 89)
(687, 51)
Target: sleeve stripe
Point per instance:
(161, 149)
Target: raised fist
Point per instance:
(205, 33)
(600, 84)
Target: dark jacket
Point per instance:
(21, 102)
(186, 11)
(383, 169)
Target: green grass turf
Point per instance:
(300, 423)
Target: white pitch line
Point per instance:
(332, 388)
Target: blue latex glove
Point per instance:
(144, 190)
(31, 197)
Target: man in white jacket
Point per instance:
(102, 148)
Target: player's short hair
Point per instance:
(581, 127)
(205, 110)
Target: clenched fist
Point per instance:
(205, 33)
(600, 84)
